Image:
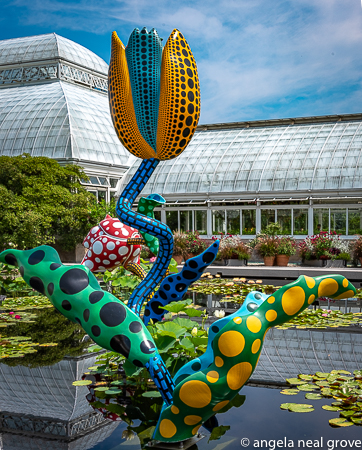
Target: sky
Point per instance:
(257, 59)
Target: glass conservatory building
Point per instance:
(305, 173)
(53, 102)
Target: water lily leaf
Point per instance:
(284, 405)
(113, 391)
(305, 377)
(340, 422)
(294, 381)
(326, 392)
(151, 394)
(341, 372)
(289, 391)
(300, 407)
(306, 387)
(101, 389)
(331, 408)
(312, 396)
(82, 383)
(347, 413)
(356, 420)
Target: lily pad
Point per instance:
(312, 396)
(289, 391)
(295, 381)
(151, 394)
(300, 407)
(82, 383)
(340, 422)
(284, 405)
(331, 408)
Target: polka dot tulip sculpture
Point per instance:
(155, 106)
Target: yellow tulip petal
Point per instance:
(179, 109)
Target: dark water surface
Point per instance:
(260, 418)
(41, 409)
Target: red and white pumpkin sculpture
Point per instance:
(109, 246)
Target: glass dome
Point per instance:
(59, 120)
(49, 46)
(303, 157)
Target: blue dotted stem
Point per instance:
(147, 225)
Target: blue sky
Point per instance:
(257, 59)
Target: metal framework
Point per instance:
(61, 71)
(56, 428)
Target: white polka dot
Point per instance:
(104, 240)
(97, 247)
(105, 223)
(117, 224)
(89, 264)
(94, 229)
(118, 262)
(137, 252)
(105, 253)
(92, 240)
(112, 257)
(100, 233)
(101, 267)
(89, 254)
(107, 228)
(125, 232)
(111, 245)
(86, 244)
(116, 232)
(98, 260)
(135, 260)
(106, 262)
(123, 250)
(118, 243)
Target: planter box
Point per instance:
(315, 262)
(337, 263)
(235, 262)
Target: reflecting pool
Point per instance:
(41, 409)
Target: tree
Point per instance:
(42, 202)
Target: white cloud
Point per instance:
(254, 56)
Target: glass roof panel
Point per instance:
(49, 46)
(281, 158)
(58, 120)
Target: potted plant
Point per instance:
(179, 246)
(194, 244)
(285, 249)
(233, 251)
(267, 248)
(318, 249)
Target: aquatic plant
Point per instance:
(340, 385)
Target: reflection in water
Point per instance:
(49, 327)
(40, 409)
(40, 406)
